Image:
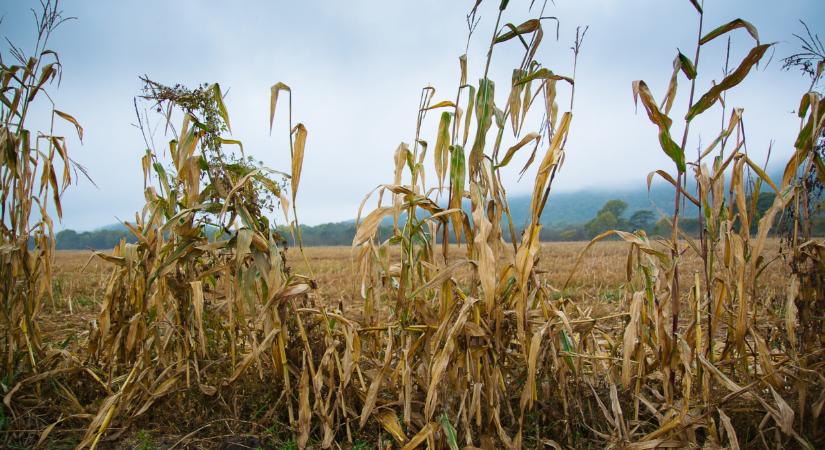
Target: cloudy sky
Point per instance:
(356, 69)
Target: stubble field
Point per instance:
(80, 278)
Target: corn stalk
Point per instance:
(35, 170)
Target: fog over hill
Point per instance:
(565, 217)
(564, 210)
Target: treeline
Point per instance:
(95, 240)
(613, 215)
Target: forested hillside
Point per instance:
(569, 216)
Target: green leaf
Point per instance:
(728, 82)
(457, 179)
(807, 100)
(216, 91)
(820, 168)
(484, 113)
(512, 150)
(441, 147)
(640, 90)
(528, 26)
(468, 116)
(803, 140)
(233, 142)
(567, 346)
(696, 5)
(449, 432)
(544, 74)
(687, 66)
(672, 149)
(457, 173)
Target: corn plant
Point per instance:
(35, 170)
(806, 170)
(467, 340)
(675, 364)
(207, 277)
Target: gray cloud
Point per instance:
(357, 67)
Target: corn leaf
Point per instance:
(728, 82)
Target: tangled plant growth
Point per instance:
(460, 345)
(732, 340)
(30, 164)
(205, 292)
(807, 256)
(469, 355)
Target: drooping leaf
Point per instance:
(544, 74)
(548, 163)
(73, 121)
(458, 172)
(640, 90)
(670, 95)
(533, 136)
(389, 420)
(298, 157)
(514, 101)
(728, 82)
(468, 117)
(810, 98)
(687, 66)
(48, 72)
(273, 100)
(442, 156)
(528, 26)
(820, 168)
(367, 228)
(728, 27)
(441, 104)
(462, 62)
(484, 108)
(233, 142)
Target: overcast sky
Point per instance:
(356, 69)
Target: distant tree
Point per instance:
(102, 239)
(642, 220)
(764, 202)
(66, 239)
(662, 227)
(687, 226)
(608, 218)
(604, 221)
(615, 207)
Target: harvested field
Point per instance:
(80, 278)
(208, 328)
